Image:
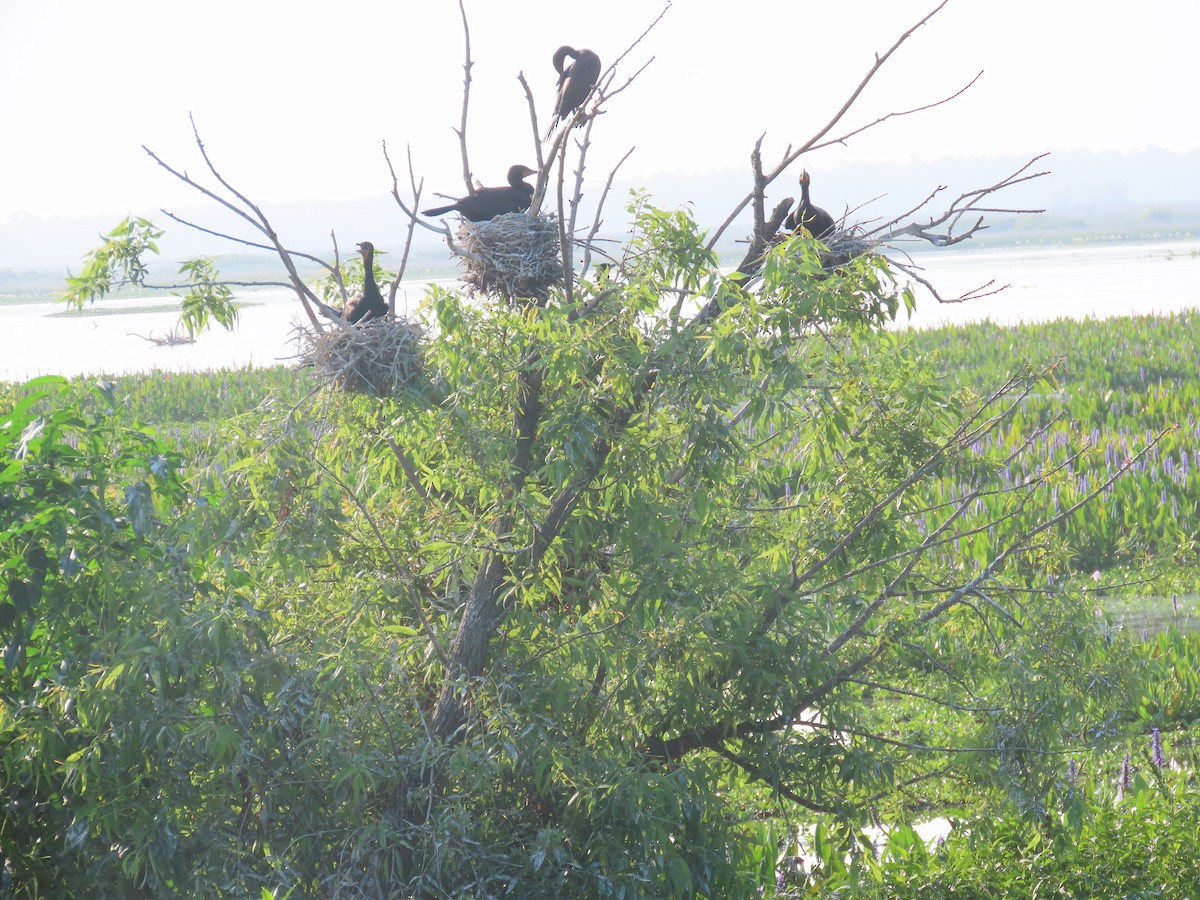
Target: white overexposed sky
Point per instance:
(293, 99)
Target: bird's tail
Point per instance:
(438, 210)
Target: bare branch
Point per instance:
(792, 155)
(577, 192)
(564, 236)
(337, 269)
(259, 221)
(411, 212)
(413, 219)
(171, 339)
(641, 37)
(972, 587)
(801, 578)
(984, 290)
(598, 220)
(236, 240)
(967, 203)
(461, 131)
(818, 725)
(842, 138)
(540, 187)
(940, 230)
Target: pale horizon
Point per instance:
(294, 102)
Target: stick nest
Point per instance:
(842, 246)
(380, 356)
(514, 255)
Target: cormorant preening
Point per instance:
(575, 82)
(815, 220)
(370, 303)
(487, 203)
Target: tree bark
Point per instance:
(469, 652)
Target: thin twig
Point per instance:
(413, 220)
(461, 131)
(259, 221)
(598, 220)
(792, 155)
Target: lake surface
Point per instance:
(1062, 282)
(1046, 283)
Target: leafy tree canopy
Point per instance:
(645, 567)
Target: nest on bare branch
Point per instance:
(379, 357)
(514, 255)
(841, 246)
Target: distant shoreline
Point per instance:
(43, 286)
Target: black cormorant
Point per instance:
(489, 202)
(370, 303)
(815, 220)
(575, 82)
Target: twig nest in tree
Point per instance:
(514, 255)
(380, 356)
(843, 246)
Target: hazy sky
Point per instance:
(294, 98)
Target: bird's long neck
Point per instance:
(369, 269)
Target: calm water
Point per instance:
(1151, 613)
(1046, 283)
(1063, 282)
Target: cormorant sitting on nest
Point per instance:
(370, 303)
(485, 204)
(813, 219)
(575, 82)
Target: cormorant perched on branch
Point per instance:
(575, 82)
(370, 303)
(487, 203)
(815, 220)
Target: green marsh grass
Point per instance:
(1118, 383)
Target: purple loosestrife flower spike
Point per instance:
(1156, 748)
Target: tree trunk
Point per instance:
(469, 652)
